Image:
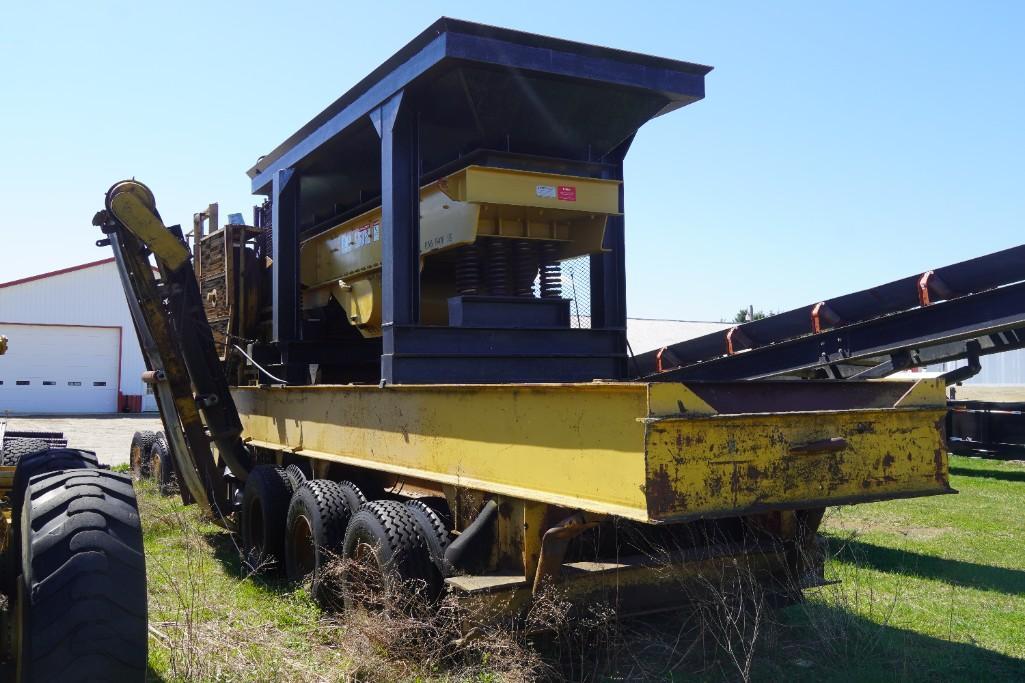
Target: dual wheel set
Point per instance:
(150, 458)
(355, 551)
(73, 569)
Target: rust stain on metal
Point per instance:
(940, 462)
(714, 484)
(662, 496)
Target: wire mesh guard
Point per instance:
(576, 286)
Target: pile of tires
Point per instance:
(74, 571)
(52, 439)
(351, 549)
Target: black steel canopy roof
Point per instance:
(482, 87)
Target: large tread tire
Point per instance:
(263, 516)
(387, 552)
(139, 452)
(15, 448)
(31, 465)
(82, 595)
(317, 519)
(436, 533)
(160, 466)
(41, 462)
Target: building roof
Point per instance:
(61, 271)
(648, 334)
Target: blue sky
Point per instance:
(839, 145)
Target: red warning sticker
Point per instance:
(567, 193)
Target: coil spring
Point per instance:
(550, 274)
(468, 270)
(524, 268)
(498, 268)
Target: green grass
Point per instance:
(932, 588)
(211, 620)
(929, 589)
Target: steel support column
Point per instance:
(285, 273)
(284, 283)
(396, 123)
(608, 269)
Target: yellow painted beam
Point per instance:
(649, 452)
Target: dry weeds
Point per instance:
(212, 620)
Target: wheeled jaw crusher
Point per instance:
(389, 364)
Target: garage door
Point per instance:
(59, 369)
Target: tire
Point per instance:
(16, 447)
(314, 532)
(385, 553)
(353, 495)
(296, 477)
(81, 605)
(25, 434)
(160, 466)
(139, 452)
(29, 465)
(40, 462)
(435, 529)
(264, 513)
(54, 439)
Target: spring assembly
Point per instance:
(550, 274)
(524, 268)
(468, 270)
(497, 268)
(262, 219)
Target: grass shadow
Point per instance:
(153, 676)
(226, 553)
(980, 576)
(863, 650)
(808, 642)
(1002, 475)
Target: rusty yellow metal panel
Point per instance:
(736, 464)
(649, 452)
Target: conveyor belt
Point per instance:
(869, 333)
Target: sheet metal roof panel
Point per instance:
(453, 41)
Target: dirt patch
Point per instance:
(108, 435)
(864, 525)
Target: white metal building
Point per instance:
(72, 347)
(648, 334)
